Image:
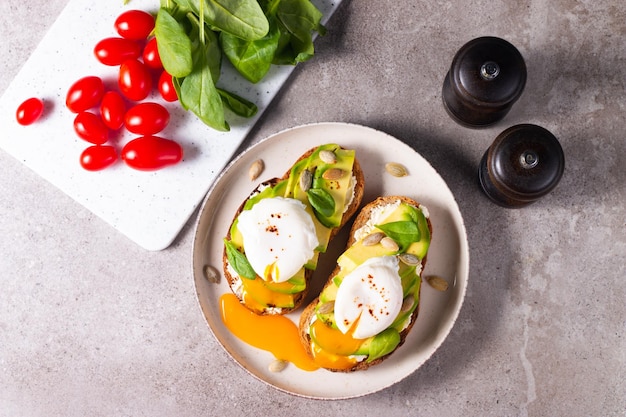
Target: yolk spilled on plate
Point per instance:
(276, 334)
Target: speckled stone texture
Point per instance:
(93, 325)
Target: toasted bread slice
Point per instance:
(235, 281)
(309, 314)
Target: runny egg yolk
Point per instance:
(276, 334)
(331, 348)
(257, 296)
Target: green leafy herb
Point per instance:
(252, 58)
(298, 19)
(194, 35)
(238, 261)
(239, 105)
(242, 18)
(173, 44)
(403, 232)
(383, 343)
(321, 201)
(199, 94)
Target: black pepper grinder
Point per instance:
(524, 163)
(487, 76)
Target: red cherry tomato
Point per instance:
(112, 110)
(166, 87)
(150, 153)
(114, 51)
(84, 94)
(96, 158)
(135, 80)
(146, 118)
(91, 128)
(151, 55)
(29, 111)
(134, 24)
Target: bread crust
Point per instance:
(359, 188)
(309, 310)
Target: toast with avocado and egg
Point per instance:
(277, 234)
(371, 300)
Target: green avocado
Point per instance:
(294, 285)
(387, 340)
(290, 188)
(335, 188)
(359, 253)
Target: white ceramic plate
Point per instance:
(448, 256)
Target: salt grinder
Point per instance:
(524, 163)
(486, 77)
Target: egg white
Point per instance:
(278, 237)
(370, 296)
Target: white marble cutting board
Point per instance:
(150, 208)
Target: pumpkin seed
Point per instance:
(327, 307)
(396, 169)
(328, 156)
(437, 283)
(306, 179)
(255, 169)
(409, 259)
(407, 303)
(211, 274)
(333, 174)
(373, 238)
(389, 243)
(277, 365)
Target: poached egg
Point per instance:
(369, 298)
(278, 237)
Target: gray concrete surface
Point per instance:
(93, 325)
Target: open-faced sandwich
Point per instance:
(277, 234)
(371, 300)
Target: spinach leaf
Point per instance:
(403, 232)
(199, 94)
(173, 44)
(299, 18)
(242, 18)
(209, 39)
(383, 343)
(214, 55)
(321, 201)
(238, 261)
(252, 58)
(239, 105)
(193, 35)
(177, 82)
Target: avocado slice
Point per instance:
(337, 189)
(383, 343)
(290, 188)
(293, 285)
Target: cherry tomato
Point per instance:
(91, 128)
(84, 94)
(29, 111)
(112, 110)
(151, 55)
(96, 158)
(134, 24)
(166, 87)
(150, 153)
(135, 80)
(146, 118)
(114, 51)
